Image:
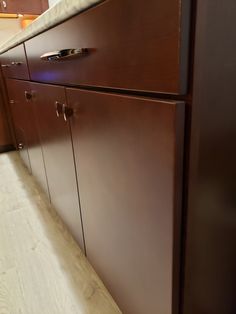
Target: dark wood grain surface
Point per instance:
(25, 128)
(10, 70)
(24, 7)
(131, 46)
(5, 133)
(129, 162)
(56, 143)
(211, 221)
(19, 113)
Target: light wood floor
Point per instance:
(42, 270)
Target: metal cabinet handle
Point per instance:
(11, 101)
(4, 4)
(28, 95)
(16, 63)
(20, 146)
(58, 107)
(5, 65)
(67, 112)
(64, 54)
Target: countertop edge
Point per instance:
(57, 14)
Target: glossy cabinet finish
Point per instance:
(23, 7)
(130, 45)
(5, 133)
(210, 254)
(14, 63)
(128, 154)
(56, 143)
(20, 116)
(25, 129)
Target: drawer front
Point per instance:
(14, 64)
(129, 46)
(128, 154)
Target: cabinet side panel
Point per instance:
(211, 223)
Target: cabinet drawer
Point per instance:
(24, 7)
(129, 45)
(14, 64)
(128, 154)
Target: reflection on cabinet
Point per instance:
(55, 138)
(23, 7)
(25, 128)
(128, 155)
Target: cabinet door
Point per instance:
(20, 116)
(25, 128)
(56, 143)
(128, 155)
(24, 7)
(6, 140)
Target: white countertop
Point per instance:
(53, 16)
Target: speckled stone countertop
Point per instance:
(53, 16)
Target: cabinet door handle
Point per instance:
(20, 146)
(67, 112)
(4, 4)
(28, 95)
(5, 65)
(16, 63)
(11, 102)
(64, 54)
(58, 107)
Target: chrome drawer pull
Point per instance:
(5, 65)
(16, 63)
(20, 146)
(67, 112)
(64, 54)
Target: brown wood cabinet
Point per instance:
(19, 93)
(129, 46)
(14, 63)
(162, 243)
(55, 138)
(24, 6)
(20, 116)
(5, 134)
(129, 158)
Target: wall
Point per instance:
(8, 28)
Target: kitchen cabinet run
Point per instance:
(133, 100)
(36, 7)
